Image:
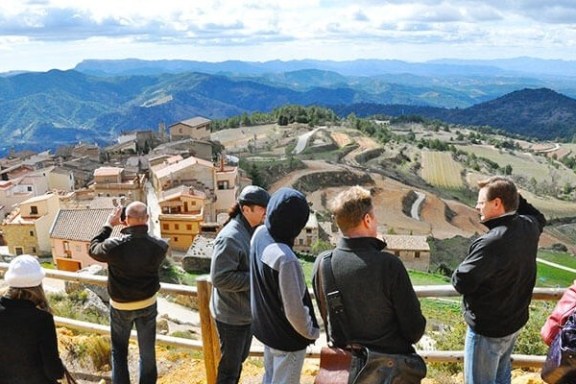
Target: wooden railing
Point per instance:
(209, 344)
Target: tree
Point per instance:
(320, 246)
(255, 175)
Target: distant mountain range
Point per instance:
(99, 99)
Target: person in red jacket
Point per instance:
(564, 308)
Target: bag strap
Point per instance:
(318, 285)
(337, 324)
(69, 379)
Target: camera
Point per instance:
(123, 205)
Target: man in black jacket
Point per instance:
(496, 280)
(133, 261)
(381, 307)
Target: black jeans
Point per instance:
(235, 346)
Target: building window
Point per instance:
(165, 227)
(29, 189)
(308, 230)
(33, 249)
(33, 210)
(417, 254)
(176, 226)
(67, 252)
(189, 227)
(223, 185)
(175, 239)
(32, 233)
(18, 250)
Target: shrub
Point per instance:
(99, 351)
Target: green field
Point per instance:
(552, 277)
(565, 259)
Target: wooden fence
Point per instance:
(209, 344)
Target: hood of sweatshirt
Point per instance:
(286, 214)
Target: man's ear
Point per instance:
(498, 203)
(366, 220)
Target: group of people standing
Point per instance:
(259, 286)
(259, 289)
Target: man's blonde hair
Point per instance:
(350, 206)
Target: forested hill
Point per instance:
(540, 113)
(45, 110)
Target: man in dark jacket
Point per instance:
(282, 313)
(381, 307)
(496, 280)
(230, 275)
(133, 261)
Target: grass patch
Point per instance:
(562, 258)
(423, 278)
(551, 277)
(72, 306)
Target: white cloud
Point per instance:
(39, 33)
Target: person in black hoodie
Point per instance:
(28, 342)
(282, 313)
(496, 280)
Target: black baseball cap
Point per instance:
(253, 194)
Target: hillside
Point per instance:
(540, 113)
(397, 169)
(98, 100)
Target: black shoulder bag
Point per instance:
(368, 365)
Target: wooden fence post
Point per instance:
(210, 343)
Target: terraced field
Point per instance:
(440, 170)
(527, 165)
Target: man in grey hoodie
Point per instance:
(230, 274)
(282, 313)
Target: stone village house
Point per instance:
(26, 229)
(182, 213)
(414, 251)
(70, 237)
(195, 128)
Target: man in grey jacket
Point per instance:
(230, 273)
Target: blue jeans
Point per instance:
(121, 323)
(487, 359)
(235, 346)
(281, 367)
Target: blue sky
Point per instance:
(43, 34)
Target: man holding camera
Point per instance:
(134, 260)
